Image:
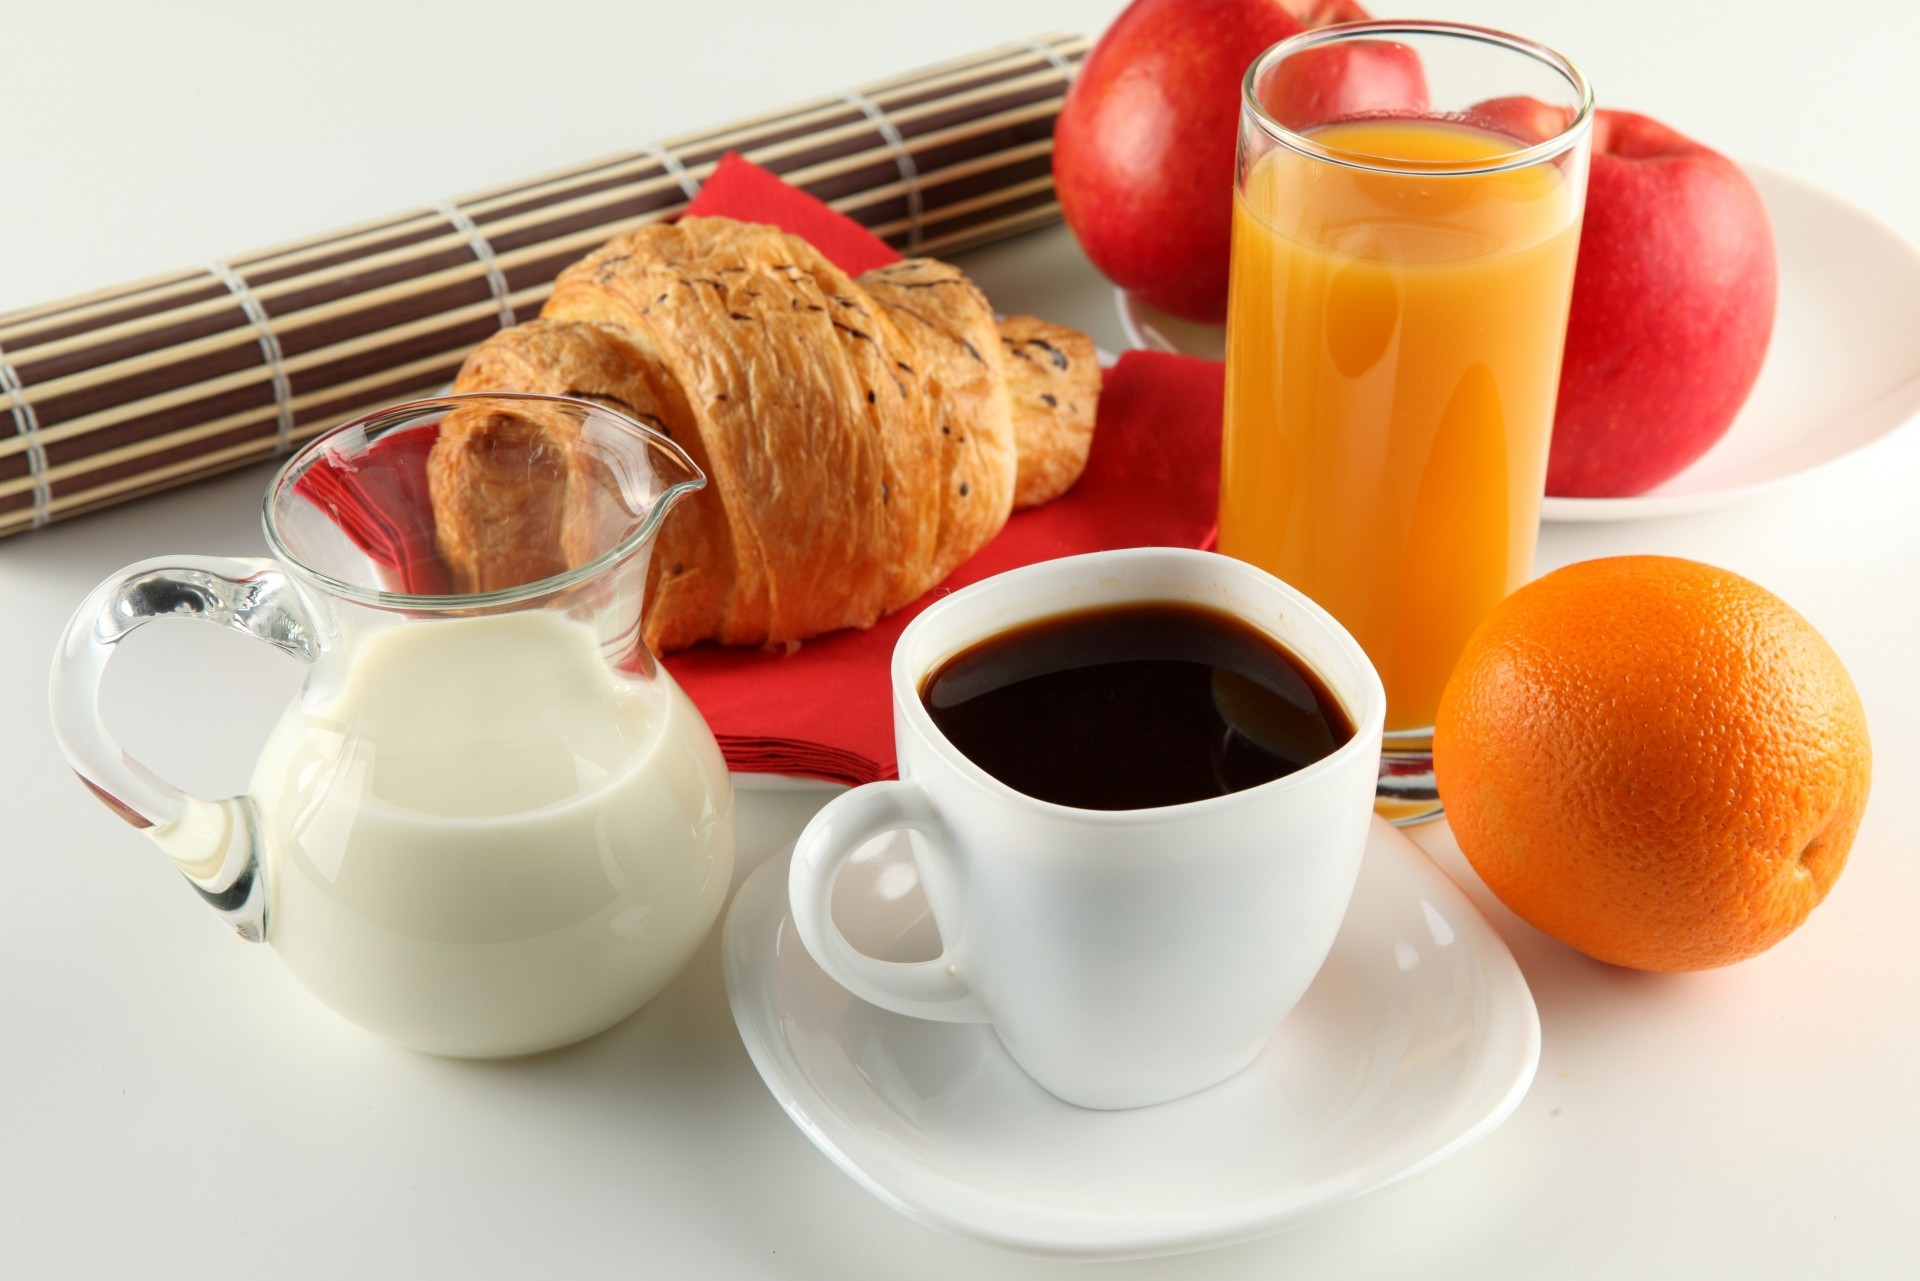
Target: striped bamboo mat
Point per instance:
(141, 387)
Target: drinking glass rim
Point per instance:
(396, 415)
(1252, 108)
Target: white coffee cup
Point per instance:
(1123, 957)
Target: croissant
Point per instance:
(861, 437)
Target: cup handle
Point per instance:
(921, 989)
(214, 843)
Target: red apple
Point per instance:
(1144, 148)
(1352, 80)
(1673, 301)
(1525, 120)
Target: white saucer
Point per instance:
(1841, 372)
(1418, 1037)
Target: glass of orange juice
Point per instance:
(1406, 215)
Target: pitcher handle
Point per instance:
(214, 843)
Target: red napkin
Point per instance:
(823, 711)
(742, 190)
(379, 499)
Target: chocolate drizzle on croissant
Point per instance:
(861, 437)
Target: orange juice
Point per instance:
(1393, 348)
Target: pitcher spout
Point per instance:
(526, 488)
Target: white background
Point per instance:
(171, 1102)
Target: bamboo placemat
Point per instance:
(142, 387)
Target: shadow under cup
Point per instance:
(1123, 957)
(1407, 214)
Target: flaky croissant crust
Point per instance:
(861, 438)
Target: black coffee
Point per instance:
(1134, 707)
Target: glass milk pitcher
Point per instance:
(490, 823)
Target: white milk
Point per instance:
(489, 843)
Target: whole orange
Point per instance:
(1653, 760)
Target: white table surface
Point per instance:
(171, 1102)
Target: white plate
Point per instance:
(1418, 1037)
(1842, 372)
